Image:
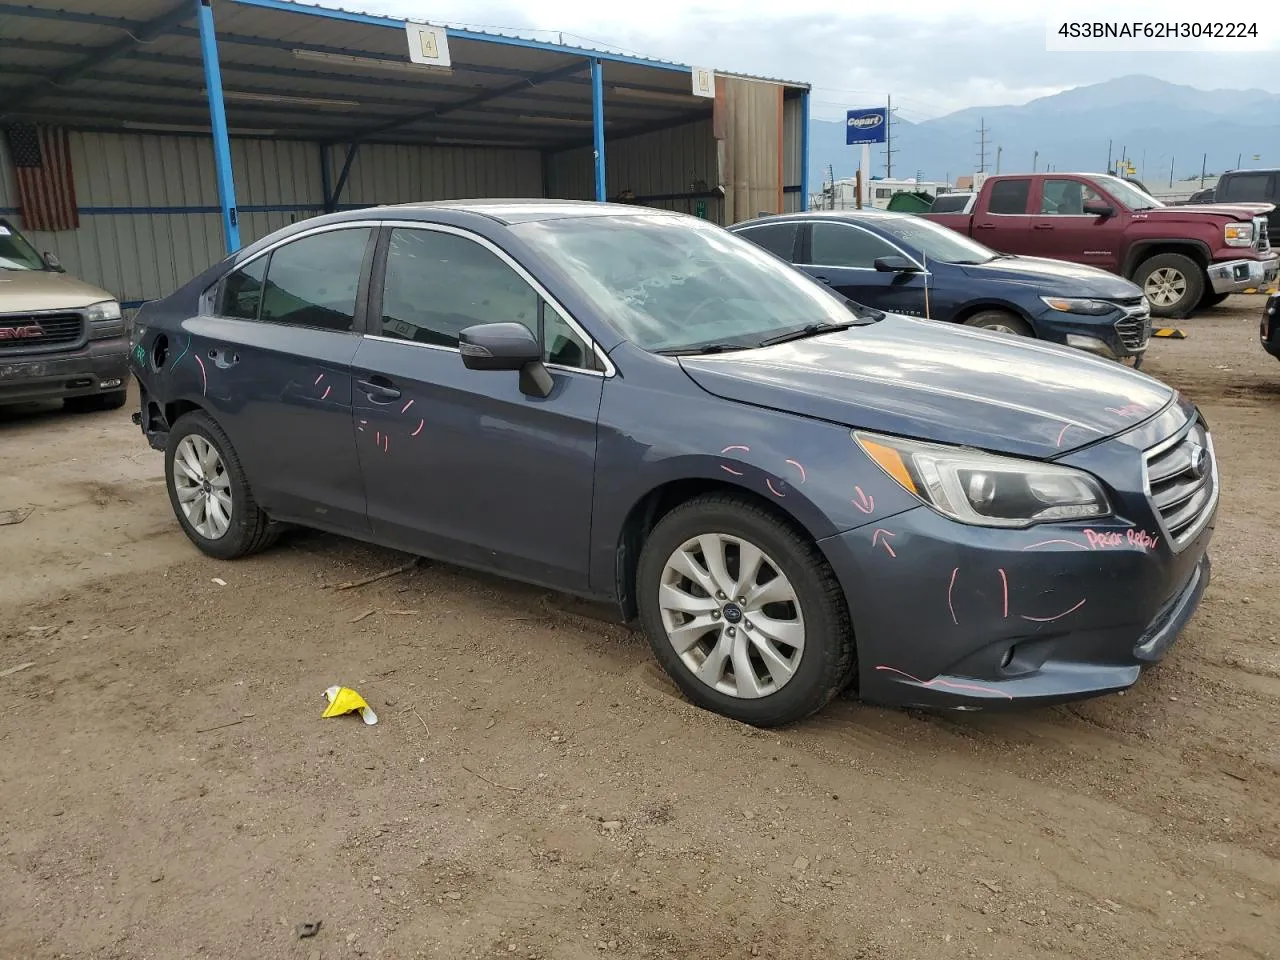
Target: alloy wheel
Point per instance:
(1165, 286)
(202, 486)
(732, 616)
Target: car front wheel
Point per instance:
(1172, 283)
(743, 612)
(209, 493)
(1000, 321)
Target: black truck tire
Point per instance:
(1173, 284)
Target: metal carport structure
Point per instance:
(309, 109)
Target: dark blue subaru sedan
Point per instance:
(791, 495)
(911, 266)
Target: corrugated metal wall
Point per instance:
(792, 153)
(753, 157)
(653, 165)
(149, 218)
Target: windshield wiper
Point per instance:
(809, 330)
(698, 351)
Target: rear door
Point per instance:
(274, 367)
(1002, 219)
(843, 255)
(460, 463)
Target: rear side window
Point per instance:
(314, 282)
(949, 203)
(242, 291)
(1009, 196)
(778, 238)
(1246, 188)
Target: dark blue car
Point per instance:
(636, 406)
(906, 265)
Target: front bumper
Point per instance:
(1239, 276)
(100, 366)
(1122, 335)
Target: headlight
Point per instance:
(1238, 234)
(106, 310)
(983, 489)
(1092, 308)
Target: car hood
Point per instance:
(1057, 276)
(931, 381)
(27, 291)
(1236, 211)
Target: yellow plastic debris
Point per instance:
(344, 700)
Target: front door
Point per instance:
(1061, 230)
(273, 365)
(843, 256)
(460, 463)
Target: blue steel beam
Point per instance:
(136, 34)
(597, 126)
(218, 120)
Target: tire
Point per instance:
(1000, 321)
(249, 528)
(1211, 299)
(820, 667)
(1172, 282)
(97, 401)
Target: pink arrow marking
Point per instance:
(769, 482)
(736, 447)
(864, 503)
(876, 540)
(327, 390)
(799, 466)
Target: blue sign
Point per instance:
(866, 126)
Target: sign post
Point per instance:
(863, 128)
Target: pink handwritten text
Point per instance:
(1104, 539)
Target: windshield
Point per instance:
(671, 284)
(936, 242)
(16, 253)
(1128, 194)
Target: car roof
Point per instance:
(866, 214)
(516, 210)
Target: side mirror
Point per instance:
(506, 346)
(53, 263)
(1098, 208)
(895, 265)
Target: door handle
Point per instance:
(984, 226)
(378, 392)
(223, 358)
(1043, 226)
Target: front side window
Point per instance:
(670, 283)
(840, 245)
(438, 284)
(241, 295)
(1130, 195)
(1066, 198)
(1009, 196)
(16, 253)
(314, 282)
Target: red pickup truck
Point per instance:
(1183, 257)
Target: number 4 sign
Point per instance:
(704, 82)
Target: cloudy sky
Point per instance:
(940, 56)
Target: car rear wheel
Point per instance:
(1173, 284)
(209, 493)
(97, 401)
(1000, 321)
(743, 612)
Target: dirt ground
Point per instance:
(535, 789)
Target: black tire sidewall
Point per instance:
(822, 665)
(240, 535)
(1009, 319)
(1196, 285)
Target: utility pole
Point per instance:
(1171, 171)
(1239, 160)
(999, 154)
(1203, 163)
(831, 173)
(1109, 169)
(982, 145)
(888, 138)
(1035, 159)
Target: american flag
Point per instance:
(41, 159)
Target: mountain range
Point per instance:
(1159, 125)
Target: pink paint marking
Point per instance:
(421, 424)
(377, 438)
(386, 442)
(1004, 581)
(405, 408)
(799, 466)
(1063, 432)
(1046, 543)
(950, 587)
(736, 473)
(879, 536)
(1130, 410)
(327, 390)
(736, 447)
(769, 482)
(318, 379)
(864, 503)
(938, 681)
(204, 377)
(1058, 617)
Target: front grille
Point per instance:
(1182, 482)
(1264, 235)
(1134, 329)
(36, 332)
